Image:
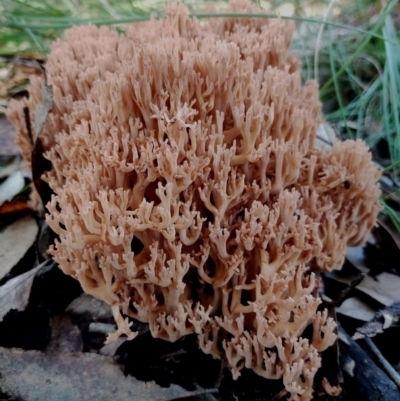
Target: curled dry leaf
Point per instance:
(15, 241)
(39, 163)
(326, 136)
(15, 293)
(348, 367)
(94, 377)
(39, 166)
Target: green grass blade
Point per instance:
(365, 42)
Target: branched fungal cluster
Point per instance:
(189, 192)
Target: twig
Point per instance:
(28, 123)
(196, 393)
(221, 373)
(168, 357)
(36, 64)
(319, 39)
(382, 360)
(343, 294)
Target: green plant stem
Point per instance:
(336, 85)
(66, 22)
(392, 214)
(391, 167)
(360, 48)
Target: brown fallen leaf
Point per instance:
(388, 235)
(356, 309)
(382, 255)
(390, 371)
(11, 186)
(111, 348)
(15, 241)
(378, 254)
(12, 81)
(366, 380)
(356, 256)
(37, 376)
(39, 164)
(7, 138)
(86, 304)
(329, 378)
(387, 224)
(11, 165)
(45, 238)
(15, 293)
(16, 206)
(204, 397)
(65, 336)
(382, 320)
(42, 110)
(102, 328)
(384, 288)
(30, 63)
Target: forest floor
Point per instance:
(52, 335)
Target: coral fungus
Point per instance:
(189, 192)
